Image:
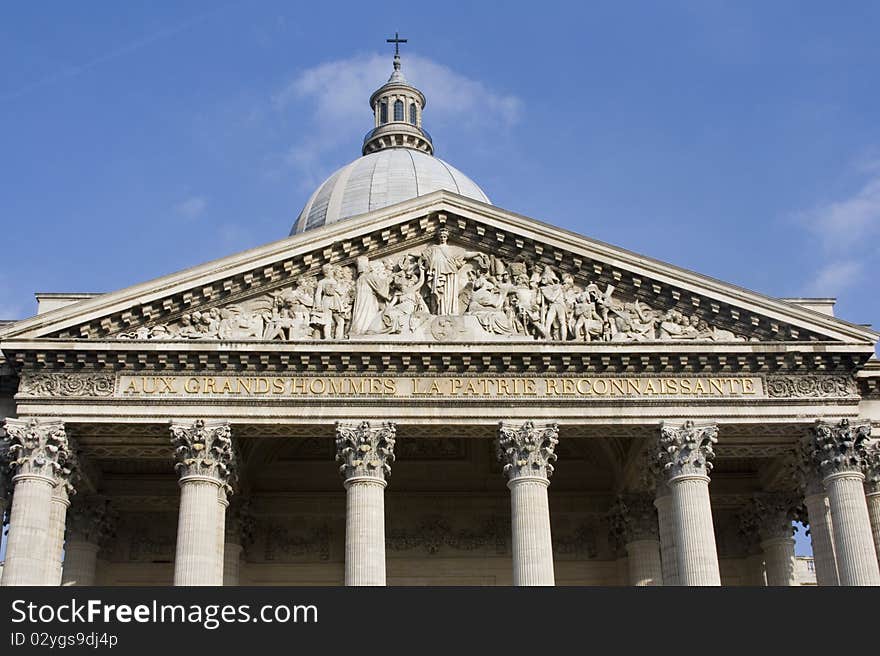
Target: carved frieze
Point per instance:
(442, 293)
(310, 540)
(441, 448)
(810, 386)
(434, 533)
(576, 542)
(66, 385)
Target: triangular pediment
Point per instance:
(386, 276)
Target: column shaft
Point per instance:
(232, 564)
(873, 501)
(780, 561)
(853, 542)
(365, 531)
(199, 558)
(57, 521)
(80, 562)
(27, 547)
(532, 542)
(668, 556)
(755, 575)
(821, 536)
(644, 563)
(695, 533)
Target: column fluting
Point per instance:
(666, 524)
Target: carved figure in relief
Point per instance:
(487, 304)
(406, 309)
(442, 270)
(331, 304)
(556, 313)
(372, 288)
(525, 302)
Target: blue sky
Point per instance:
(736, 139)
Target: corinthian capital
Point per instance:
(363, 449)
(872, 466)
(804, 473)
(204, 449)
(840, 448)
(39, 448)
(687, 449)
(774, 514)
(633, 517)
(528, 449)
(90, 519)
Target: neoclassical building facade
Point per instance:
(553, 409)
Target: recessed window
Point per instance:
(398, 110)
(412, 113)
(383, 112)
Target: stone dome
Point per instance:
(381, 179)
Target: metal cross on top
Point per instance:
(396, 41)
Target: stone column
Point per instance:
(776, 528)
(40, 454)
(365, 453)
(749, 521)
(839, 454)
(818, 515)
(527, 453)
(872, 490)
(239, 532)
(57, 522)
(90, 522)
(634, 525)
(755, 573)
(685, 456)
(668, 557)
(205, 463)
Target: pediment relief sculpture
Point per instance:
(440, 292)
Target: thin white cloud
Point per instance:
(332, 98)
(847, 231)
(192, 207)
(850, 221)
(834, 278)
